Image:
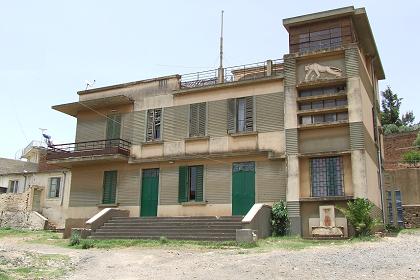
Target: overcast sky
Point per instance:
(49, 48)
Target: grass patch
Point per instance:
(409, 231)
(298, 243)
(29, 265)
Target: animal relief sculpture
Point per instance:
(314, 71)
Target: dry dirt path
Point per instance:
(390, 258)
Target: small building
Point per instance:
(401, 182)
(303, 128)
(45, 184)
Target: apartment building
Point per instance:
(303, 129)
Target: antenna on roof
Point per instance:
(221, 43)
(89, 84)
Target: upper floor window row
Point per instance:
(321, 104)
(322, 91)
(240, 118)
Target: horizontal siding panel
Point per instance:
(289, 72)
(352, 62)
(292, 141)
(127, 126)
(270, 181)
(128, 188)
(217, 116)
(357, 137)
(169, 186)
(139, 130)
(90, 130)
(218, 182)
(270, 112)
(86, 188)
(293, 208)
(175, 123)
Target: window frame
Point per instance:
(13, 186)
(57, 190)
(322, 187)
(156, 121)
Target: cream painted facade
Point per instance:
(276, 139)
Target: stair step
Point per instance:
(197, 238)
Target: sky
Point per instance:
(50, 48)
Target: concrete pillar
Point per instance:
(220, 75)
(269, 68)
(358, 166)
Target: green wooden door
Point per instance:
(243, 187)
(149, 193)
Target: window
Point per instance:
(109, 187)
(13, 186)
(113, 127)
(329, 103)
(326, 176)
(198, 116)
(318, 40)
(324, 118)
(322, 91)
(190, 183)
(399, 208)
(54, 187)
(154, 119)
(389, 206)
(241, 114)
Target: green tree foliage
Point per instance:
(412, 158)
(408, 118)
(390, 107)
(358, 213)
(280, 219)
(390, 128)
(416, 142)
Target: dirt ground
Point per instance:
(389, 258)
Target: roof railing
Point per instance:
(231, 74)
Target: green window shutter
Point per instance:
(109, 187)
(183, 184)
(198, 116)
(199, 180)
(113, 127)
(202, 113)
(194, 118)
(249, 113)
(149, 128)
(231, 116)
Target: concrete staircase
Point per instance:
(182, 228)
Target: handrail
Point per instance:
(231, 74)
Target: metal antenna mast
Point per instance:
(221, 43)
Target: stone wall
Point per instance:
(16, 211)
(395, 145)
(411, 215)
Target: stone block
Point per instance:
(246, 236)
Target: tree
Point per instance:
(416, 142)
(390, 107)
(408, 118)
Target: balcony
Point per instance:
(89, 150)
(232, 74)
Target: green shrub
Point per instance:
(163, 240)
(358, 213)
(280, 219)
(417, 141)
(412, 157)
(390, 128)
(87, 244)
(404, 128)
(74, 239)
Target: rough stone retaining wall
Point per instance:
(411, 214)
(16, 211)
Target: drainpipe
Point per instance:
(379, 140)
(64, 187)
